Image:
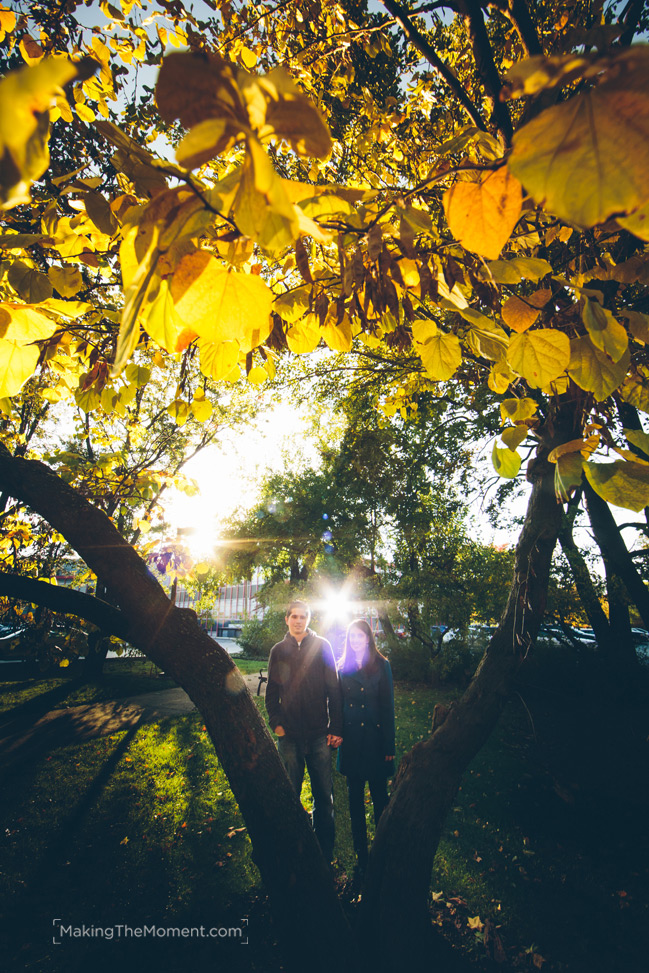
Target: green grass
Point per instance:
(141, 828)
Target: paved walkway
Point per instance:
(23, 740)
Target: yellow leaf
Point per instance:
(441, 356)
(204, 141)
(506, 463)
(218, 360)
(285, 111)
(179, 411)
(31, 51)
(304, 336)
(248, 57)
(422, 330)
(638, 325)
(513, 436)
(539, 356)
(66, 280)
(221, 305)
(482, 215)
(638, 438)
(409, 272)
(623, 483)
(85, 112)
(593, 370)
(17, 364)
(637, 222)
(161, 320)
(25, 99)
(583, 446)
(605, 332)
(257, 375)
(292, 305)
(517, 409)
(500, 377)
(337, 336)
(475, 922)
(587, 159)
(144, 526)
(519, 268)
(24, 324)
(201, 409)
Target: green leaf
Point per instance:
(513, 436)
(32, 286)
(99, 211)
(635, 391)
(638, 438)
(506, 462)
(605, 332)
(623, 483)
(593, 370)
(567, 475)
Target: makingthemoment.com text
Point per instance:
(124, 931)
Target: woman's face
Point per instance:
(358, 640)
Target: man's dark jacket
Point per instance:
(303, 691)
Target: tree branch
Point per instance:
(418, 41)
(67, 600)
(485, 64)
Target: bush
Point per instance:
(456, 662)
(259, 636)
(410, 661)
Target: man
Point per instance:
(304, 705)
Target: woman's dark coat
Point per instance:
(368, 721)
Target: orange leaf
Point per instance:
(482, 215)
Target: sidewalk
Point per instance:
(22, 741)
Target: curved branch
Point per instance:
(67, 600)
(418, 40)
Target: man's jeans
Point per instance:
(317, 756)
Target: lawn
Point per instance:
(140, 829)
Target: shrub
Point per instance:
(259, 636)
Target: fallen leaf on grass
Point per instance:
(475, 922)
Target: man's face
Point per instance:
(297, 621)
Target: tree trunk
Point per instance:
(98, 644)
(284, 846)
(394, 904)
(583, 581)
(615, 552)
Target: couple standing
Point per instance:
(314, 706)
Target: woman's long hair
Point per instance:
(347, 661)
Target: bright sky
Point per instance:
(229, 474)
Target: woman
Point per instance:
(367, 750)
